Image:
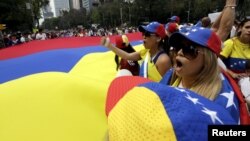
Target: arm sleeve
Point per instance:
(227, 49)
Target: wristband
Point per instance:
(231, 6)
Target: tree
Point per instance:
(16, 16)
(36, 9)
(108, 13)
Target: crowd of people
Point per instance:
(16, 38)
(199, 58)
(196, 57)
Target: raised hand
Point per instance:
(105, 41)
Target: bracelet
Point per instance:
(232, 6)
(106, 43)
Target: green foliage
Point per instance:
(51, 23)
(95, 16)
(112, 13)
(36, 9)
(16, 16)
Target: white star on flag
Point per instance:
(212, 114)
(181, 90)
(194, 30)
(194, 100)
(230, 97)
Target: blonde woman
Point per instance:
(196, 68)
(195, 65)
(194, 94)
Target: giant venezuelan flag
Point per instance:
(55, 90)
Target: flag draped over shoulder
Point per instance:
(145, 110)
(55, 90)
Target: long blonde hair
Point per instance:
(208, 82)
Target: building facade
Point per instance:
(60, 5)
(56, 7)
(75, 4)
(86, 4)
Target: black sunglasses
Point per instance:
(189, 51)
(148, 34)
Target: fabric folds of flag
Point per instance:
(55, 90)
(146, 110)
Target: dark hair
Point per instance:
(128, 49)
(40, 30)
(206, 22)
(242, 23)
(247, 64)
(165, 45)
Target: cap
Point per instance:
(175, 19)
(199, 35)
(121, 41)
(172, 27)
(154, 27)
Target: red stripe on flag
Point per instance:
(59, 43)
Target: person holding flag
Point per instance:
(194, 94)
(155, 59)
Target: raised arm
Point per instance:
(135, 56)
(223, 24)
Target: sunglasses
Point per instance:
(148, 34)
(189, 51)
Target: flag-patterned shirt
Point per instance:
(236, 54)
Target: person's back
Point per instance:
(122, 42)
